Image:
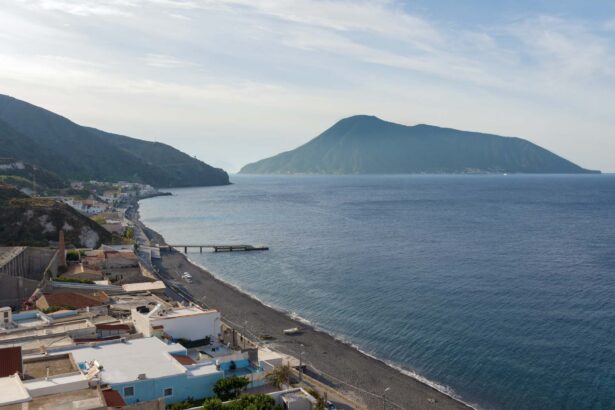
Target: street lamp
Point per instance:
(384, 398)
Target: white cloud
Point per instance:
(165, 61)
(83, 8)
(276, 64)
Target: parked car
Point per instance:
(330, 405)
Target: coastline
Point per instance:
(331, 360)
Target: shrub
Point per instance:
(280, 375)
(72, 255)
(247, 402)
(229, 388)
(213, 404)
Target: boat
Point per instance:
(292, 331)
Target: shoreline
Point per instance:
(325, 353)
(302, 322)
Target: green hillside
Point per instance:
(22, 174)
(71, 151)
(368, 145)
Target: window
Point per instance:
(168, 392)
(129, 391)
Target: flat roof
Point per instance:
(56, 328)
(84, 399)
(54, 381)
(181, 312)
(138, 287)
(203, 369)
(56, 365)
(13, 391)
(125, 361)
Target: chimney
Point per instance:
(61, 251)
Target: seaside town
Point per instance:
(99, 327)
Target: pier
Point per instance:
(222, 248)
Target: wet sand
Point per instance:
(321, 351)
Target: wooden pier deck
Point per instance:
(222, 248)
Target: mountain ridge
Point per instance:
(51, 141)
(364, 144)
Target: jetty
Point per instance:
(222, 248)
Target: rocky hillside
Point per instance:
(36, 221)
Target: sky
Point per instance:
(234, 81)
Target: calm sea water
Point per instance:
(501, 288)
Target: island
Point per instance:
(368, 145)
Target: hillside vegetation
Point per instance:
(25, 175)
(74, 152)
(368, 145)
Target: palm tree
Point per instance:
(280, 375)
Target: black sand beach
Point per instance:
(322, 352)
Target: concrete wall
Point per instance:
(14, 290)
(56, 384)
(193, 327)
(21, 275)
(184, 387)
(141, 323)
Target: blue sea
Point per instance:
(498, 288)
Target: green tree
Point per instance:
(213, 404)
(320, 400)
(229, 388)
(252, 402)
(280, 375)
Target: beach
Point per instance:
(323, 353)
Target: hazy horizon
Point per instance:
(235, 81)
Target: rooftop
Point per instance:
(143, 286)
(13, 391)
(74, 299)
(125, 361)
(84, 399)
(112, 326)
(113, 398)
(59, 364)
(45, 329)
(161, 312)
(185, 360)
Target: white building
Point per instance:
(14, 394)
(191, 323)
(294, 399)
(143, 370)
